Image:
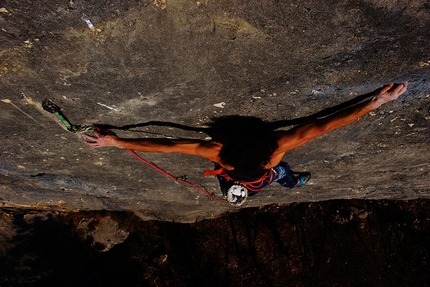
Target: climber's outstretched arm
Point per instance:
(206, 149)
(301, 134)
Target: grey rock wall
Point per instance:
(123, 63)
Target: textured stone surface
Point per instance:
(122, 63)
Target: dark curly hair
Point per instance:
(248, 142)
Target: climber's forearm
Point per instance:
(301, 134)
(206, 149)
(159, 145)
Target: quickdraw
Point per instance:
(52, 108)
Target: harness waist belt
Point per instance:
(254, 186)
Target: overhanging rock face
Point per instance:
(186, 62)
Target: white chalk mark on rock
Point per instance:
(90, 25)
(220, 105)
(106, 106)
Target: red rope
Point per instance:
(175, 178)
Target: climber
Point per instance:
(247, 154)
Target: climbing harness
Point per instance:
(254, 186)
(52, 108)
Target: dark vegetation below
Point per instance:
(333, 243)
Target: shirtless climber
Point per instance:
(250, 158)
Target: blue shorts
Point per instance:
(283, 176)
